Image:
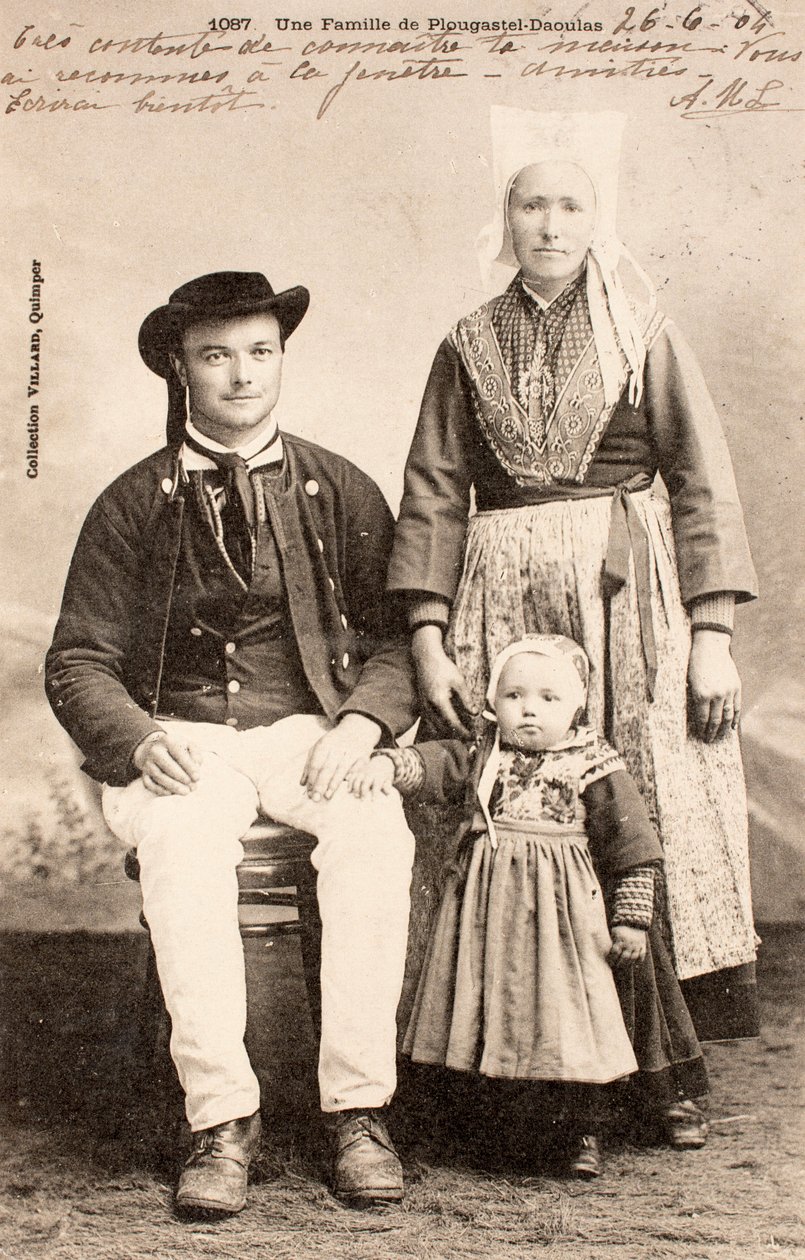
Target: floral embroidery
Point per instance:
(559, 801)
(492, 386)
(478, 349)
(547, 785)
(536, 448)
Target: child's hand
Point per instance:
(371, 776)
(628, 946)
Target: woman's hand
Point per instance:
(713, 685)
(629, 946)
(442, 686)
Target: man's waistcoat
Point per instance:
(333, 532)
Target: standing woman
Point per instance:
(556, 404)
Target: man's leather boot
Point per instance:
(215, 1176)
(366, 1170)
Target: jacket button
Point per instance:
(343, 621)
(233, 686)
(167, 485)
(231, 721)
(229, 649)
(345, 660)
(311, 488)
(194, 630)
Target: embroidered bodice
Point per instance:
(547, 786)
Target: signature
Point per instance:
(735, 98)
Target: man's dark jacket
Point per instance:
(333, 531)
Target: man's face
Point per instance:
(233, 369)
(551, 219)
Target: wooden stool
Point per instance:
(276, 860)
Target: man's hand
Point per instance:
(713, 684)
(628, 946)
(371, 777)
(168, 764)
(334, 755)
(442, 686)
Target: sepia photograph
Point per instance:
(403, 736)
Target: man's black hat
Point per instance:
(220, 295)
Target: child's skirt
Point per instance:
(515, 981)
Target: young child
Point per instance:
(518, 980)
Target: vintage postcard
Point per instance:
(349, 149)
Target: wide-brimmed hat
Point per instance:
(220, 295)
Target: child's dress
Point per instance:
(516, 981)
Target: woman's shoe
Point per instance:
(685, 1126)
(587, 1160)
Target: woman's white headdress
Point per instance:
(521, 137)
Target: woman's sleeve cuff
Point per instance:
(424, 610)
(713, 612)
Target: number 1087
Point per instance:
(229, 24)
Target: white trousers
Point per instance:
(188, 848)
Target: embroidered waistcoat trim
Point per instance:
(562, 448)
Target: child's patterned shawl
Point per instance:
(546, 784)
(546, 787)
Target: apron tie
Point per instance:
(627, 533)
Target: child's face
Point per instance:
(535, 702)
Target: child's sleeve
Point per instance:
(625, 847)
(620, 831)
(631, 903)
(436, 770)
(409, 772)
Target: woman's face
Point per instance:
(551, 218)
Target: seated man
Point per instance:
(224, 649)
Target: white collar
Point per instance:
(251, 451)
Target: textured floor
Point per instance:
(86, 1169)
